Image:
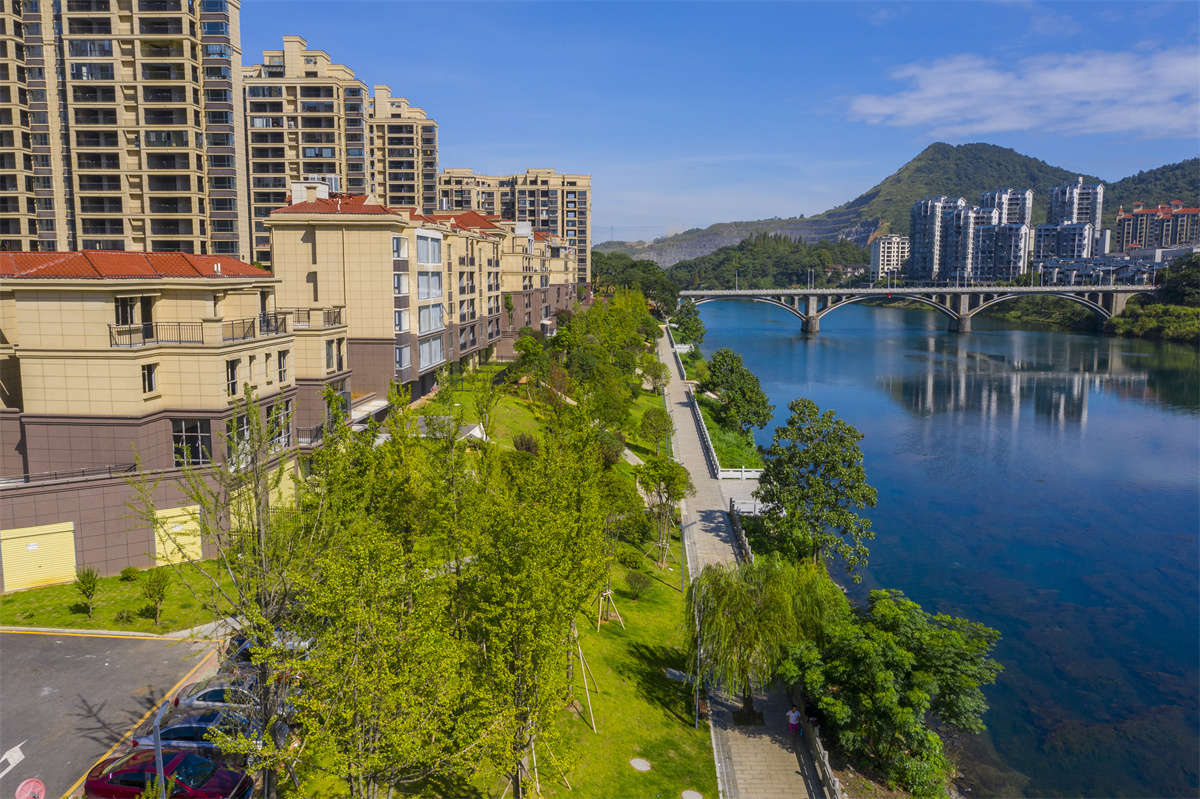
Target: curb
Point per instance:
(71, 631)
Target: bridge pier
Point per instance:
(960, 325)
(811, 324)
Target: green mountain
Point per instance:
(964, 170)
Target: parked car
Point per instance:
(127, 776)
(189, 727)
(217, 693)
(236, 657)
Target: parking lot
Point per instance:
(69, 698)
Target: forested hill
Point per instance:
(965, 170)
(769, 261)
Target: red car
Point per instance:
(195, 776)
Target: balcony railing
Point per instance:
(153, 333)
(237, 330)
(309, 318)
(272, 324)
(86, 473)
(307, 436)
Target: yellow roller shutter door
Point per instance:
(42, 555)
(177, 537)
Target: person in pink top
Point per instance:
(793, 717)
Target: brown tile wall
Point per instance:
(374, 363)
(12, 459)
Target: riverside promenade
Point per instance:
(752, 762)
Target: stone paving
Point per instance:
(752, 762)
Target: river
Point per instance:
(1046, 484)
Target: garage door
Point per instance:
(41, 555)
(177, 537)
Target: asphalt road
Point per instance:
(67, 699)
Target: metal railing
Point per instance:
(307, 318)
(308, 436)
(710, 452)
(153, 333)
(86, 473)
(272, 324)
(237, 330)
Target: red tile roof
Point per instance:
(337, 204)
(118, 265)
(467, 219)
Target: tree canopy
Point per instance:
(612, 271)
(743, 402)
(769, 260)
(689, 329)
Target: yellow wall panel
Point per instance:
(177, 535)
(42, 555)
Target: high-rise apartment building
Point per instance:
(1014, 207)
(888, 255)
(118, 126)
(1168, 225)
(1076, 202)
(926, 235)
(959, 229)
(1065, 240)
(550, 202)
(1001, 251)
(311, 119)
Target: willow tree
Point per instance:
(747, 615)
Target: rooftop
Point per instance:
(118, 265)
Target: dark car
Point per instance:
(189, 728)
(195, 776)
(237, 656)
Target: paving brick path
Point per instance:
(752, 762)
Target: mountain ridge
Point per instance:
(964, 170)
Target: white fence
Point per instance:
(710, 452)
(675, 352)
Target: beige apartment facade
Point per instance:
(310, 119)
(419, 292)
(889, 254)
(550, 202)
(1167, 225)
(122, 133)
(108, 359)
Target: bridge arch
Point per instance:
(916, 298)
(1092, 306)
(765, 300)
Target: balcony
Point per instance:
(154, 333)
(314, 318)
(309, 436)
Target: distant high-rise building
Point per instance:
(1067, 240)
(1001, 251)
(549, 201)
(1167, 225)
(926, 231)
(310, 119)
(1076, 202)
(124, 131)
(958, 240)
(888, 255)
(1014, 207)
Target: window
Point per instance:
(149, 378)
(429, 285)
(399, 247)
(283, 366)
(231, 376)
(429, 250)
(431, 352)
(192, 440)
(216, 51)
(223, 203)
(279, 424)
(126, 310)
(216, 73)
(213, 6)
(237, 432)
(403, 321)
(400, 284)
(214, 28)
(219, 117)
(91, 71)
(218, 95)
(221, 182)
(329, 354)
(90, 48)
(429, 319)
(403, 357)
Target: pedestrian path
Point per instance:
(761, 762)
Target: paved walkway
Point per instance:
(752, 762)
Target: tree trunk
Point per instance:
(748, 699)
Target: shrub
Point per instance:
(524, 442)
(635, 388)
(87, 583)
(639, 528)
(130, 574)
(638, 581)
(123, 616)
(155, 590)
(629, 558)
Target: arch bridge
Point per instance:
(958, 303)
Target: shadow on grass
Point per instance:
(648, 672)
(78, 607)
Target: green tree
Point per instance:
(531, 363)
(154, 590)
(655, 426)
(812, 484)
(688, 325)
(744, 404)
(1181, 283)
(747, 615)
(87, 583)
(485, 396)
(878, 675)
(655, 371)
(665, 483)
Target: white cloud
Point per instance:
(1153, 95)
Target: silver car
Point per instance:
(217, 693)
(188, 728)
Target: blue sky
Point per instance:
(689, 113)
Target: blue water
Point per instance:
(1046, 484)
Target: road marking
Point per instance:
(137, 724)
(102, 635)
(12, 757)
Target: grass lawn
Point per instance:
(734, 449)
(639, 711)
(641, 447)
(117, 606)
(514, 415)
